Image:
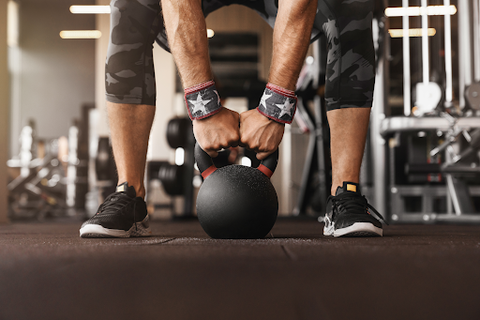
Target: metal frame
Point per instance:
(388, 195)
(316, 156)
(428, 194)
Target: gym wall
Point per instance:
(4, 110)
(52, 77)
(233, 18)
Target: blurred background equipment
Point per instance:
(50, 179)
(177, 179)
(38, 186)
(430, 134)
(422, 154)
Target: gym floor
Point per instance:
(413, 272)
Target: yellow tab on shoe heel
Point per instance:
(121, 188)
(351, 187)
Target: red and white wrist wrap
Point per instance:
(278, 104)
(202, 100)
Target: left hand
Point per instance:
(259, 133)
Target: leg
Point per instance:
(130, 86)
(349, 90)
(348, 213)
(349, 84)
(347, 143)
(130, 89)
(124, 212)
(129, 130)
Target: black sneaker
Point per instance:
(121, 215)
(348, 214)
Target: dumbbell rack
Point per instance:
(388, 196)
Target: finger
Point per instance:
(263, 155)
(211, 153)
(245, 142)
(212, 149)
(233, 138)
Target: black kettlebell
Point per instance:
(235, 201)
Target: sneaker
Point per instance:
(348, 214)
(121, 215)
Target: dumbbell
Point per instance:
(179, 133)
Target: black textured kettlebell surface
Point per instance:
(237, 202)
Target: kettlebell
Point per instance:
(236, 201)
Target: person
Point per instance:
(179, 26)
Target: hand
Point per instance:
(259, 133)
(218, 131)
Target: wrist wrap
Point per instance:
(202, 100)
(278, 104)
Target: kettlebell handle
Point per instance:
(207, 167)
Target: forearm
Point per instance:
(187, 38)
(291, 38)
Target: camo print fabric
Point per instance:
(129, 71)
(350, 76)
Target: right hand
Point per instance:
(222, 130)
(259, 133)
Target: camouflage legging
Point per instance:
(136, 24)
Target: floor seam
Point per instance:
(150, 243)
(163, 242)
(168, 240)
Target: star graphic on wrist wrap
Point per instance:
(286, 108)
(199, 104)
(263, 101)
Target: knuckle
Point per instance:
(214, 146)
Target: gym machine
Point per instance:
(50, 179)
(432, 149)
(39, 190)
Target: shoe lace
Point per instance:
(356, 204)
(116, 202)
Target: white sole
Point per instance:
(329, 227)
(97, 231)
(358, 229)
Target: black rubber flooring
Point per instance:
(414, 272)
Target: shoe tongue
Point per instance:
(128, 190)
(350, 187)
